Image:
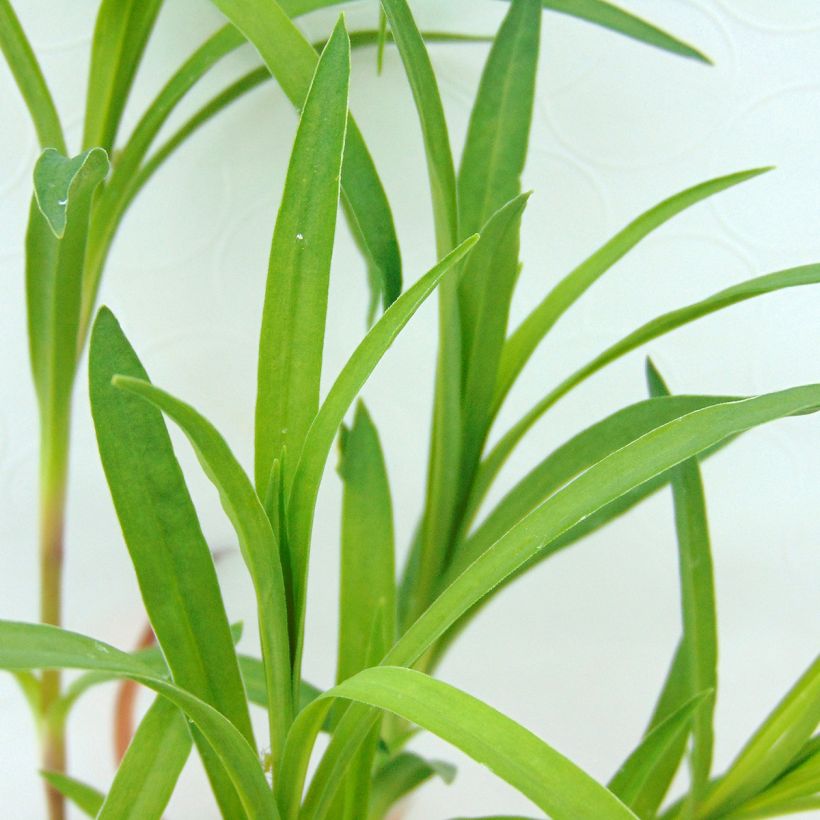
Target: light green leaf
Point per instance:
(354, 374)
(633, 782)
(148, 773)
(495, 148)
(172, 560)
(381, 40)
(292, 60)
(401, 775)
(120, 36)
(485, 291)
(367, 579)
(125, 181)
(697, 603)
(86, 798)
(38, 646)
(257, 543)
(759, 286)
(30, 80)
(446, 439)
(627, 468)
(773, 746)
(293, 317)
(609, 16)
(526, 338)
(510, 751)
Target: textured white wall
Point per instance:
(578, 649)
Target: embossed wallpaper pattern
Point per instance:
(585, 640)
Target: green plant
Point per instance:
(391, 634)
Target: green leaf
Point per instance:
(367, 579)
(293, 317)
(625, 469)
(292, 60)
(257, 543)
(446, 440)
(697, 603)
(120, 36)
(633, 782)
(773, 746)
(86, 798)
(401, 775)
(759, 286)
(125, 181)
(568, 461)
(485, 291)
(526, 338)
(148, 773)
(495, 148)
(354, 374)
(38, 646)
(172, 560)
(30, 80)
(381, 40)
(611, 17)
(510, 751)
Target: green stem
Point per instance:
(54, 470)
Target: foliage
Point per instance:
(392, 631)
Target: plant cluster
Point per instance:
(393, 630)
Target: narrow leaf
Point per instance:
(257, 542)
(510, 751)
(86, 798)
(495, 148)
(523, 342)
(367, 579)
(38, 646)
(120, 36)
(772, 748)
(354, 374)
(172, 560)
(30, 80)
(634, 778)
(291, 60)
(759, 286)
(615, 19)
(293, 317)
(697, 603)
(148, 774)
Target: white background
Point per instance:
(577, 650)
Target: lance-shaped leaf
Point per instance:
(293, 318)
(446, 439)
(257, 542)
(633, 780)
(291, 60)
(697, 603)
(773, 746)
(367, 579)
(302, 500)
(120, 36)
(30, 80)
(485, 291)
(511, 752)
(37, 646)
(609, 16)
(55, 250)
(495, 148)
(526, 338)
(86, 798)
(148, 774)
(614, 476)
(172, 560)
(758, 286)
